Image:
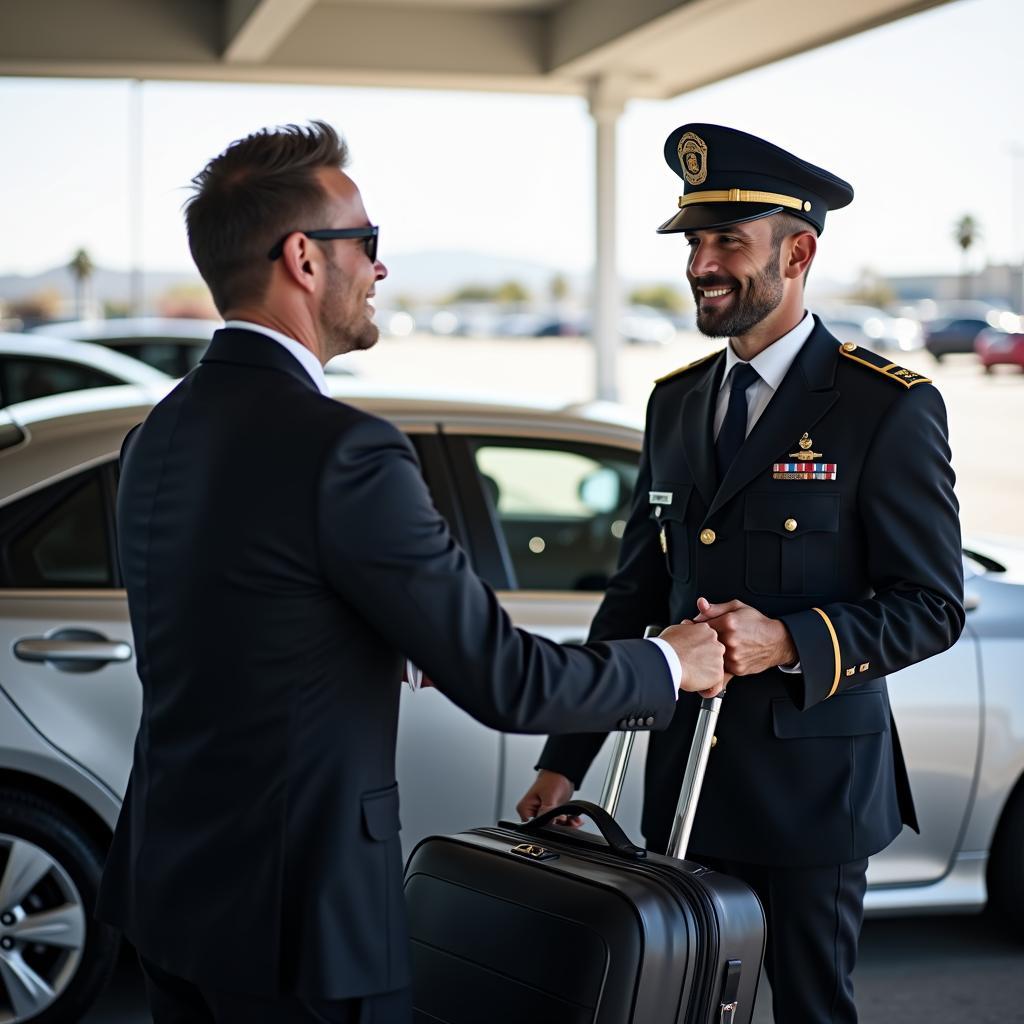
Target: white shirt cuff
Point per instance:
(791, 669)
(672, 659)
(413, 675)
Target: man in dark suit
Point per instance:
(282, 557)
(797, 494)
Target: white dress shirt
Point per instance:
(772, 365)
(310, 363)
(307, 360)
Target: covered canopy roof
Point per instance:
(659, 47)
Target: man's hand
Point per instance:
(753, 642)
(548, 790)
(701, 656)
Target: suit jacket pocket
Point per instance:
(670, 522)
(380, 812)
(845, 714)
(792, 542)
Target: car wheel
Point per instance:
(55, 958)
(1006, 866)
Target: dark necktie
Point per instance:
(733, 431)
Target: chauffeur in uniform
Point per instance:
(796, 493)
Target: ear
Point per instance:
(799, 253)
(298, 260)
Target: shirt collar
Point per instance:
(307, 360)
(774, 362)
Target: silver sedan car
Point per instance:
(538, 497)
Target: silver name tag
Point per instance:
(660, 497)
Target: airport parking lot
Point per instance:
(986, 412)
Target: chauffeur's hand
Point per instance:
(753, 642)
(549, 790)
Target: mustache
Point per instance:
(710, 281)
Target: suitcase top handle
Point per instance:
(609, 828)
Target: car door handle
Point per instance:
(81, 652)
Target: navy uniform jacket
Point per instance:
(281, 554)
(865, 571)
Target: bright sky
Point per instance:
(922, 116)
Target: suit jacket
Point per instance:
(282, 556)
(864, 569)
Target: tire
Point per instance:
(65, 864)
(1006, 867)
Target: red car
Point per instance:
(995, 346)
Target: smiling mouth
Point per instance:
(715, 293)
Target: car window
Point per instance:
(59, 537)
(561, 507)
(173, 357)
(26, 377)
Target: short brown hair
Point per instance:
(786, 224)
(259, 189)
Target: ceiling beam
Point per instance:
(49, 32)
(686, 44)
(253, 29)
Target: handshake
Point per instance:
(726, 640)
(722, 641)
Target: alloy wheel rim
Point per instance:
(42, 929)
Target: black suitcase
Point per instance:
(538, 924)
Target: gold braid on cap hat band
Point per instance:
(741, 195)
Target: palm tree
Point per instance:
(82, 268)
(966, 232)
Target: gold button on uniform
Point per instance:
(850, 346)
(707, 537)
(790, 524)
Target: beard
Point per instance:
(342, 328)
(749, 306)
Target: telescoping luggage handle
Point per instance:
(693, 777)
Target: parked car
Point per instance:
(170, 344)
(539, 498)
(873, 328)
(996, 347)
(34, 367)
(953, 334)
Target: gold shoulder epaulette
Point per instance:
(688, 366)
(880, 364)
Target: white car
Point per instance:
(173, 345)
(34, 366)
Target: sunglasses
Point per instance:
(368, 235)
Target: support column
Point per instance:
(607, 96)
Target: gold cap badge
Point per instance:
(693, 158)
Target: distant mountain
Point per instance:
(432, 275)
(425, 276)
(107, 285)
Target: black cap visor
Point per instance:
(703, 216)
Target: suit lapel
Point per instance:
(698, 428)
(806, 393)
